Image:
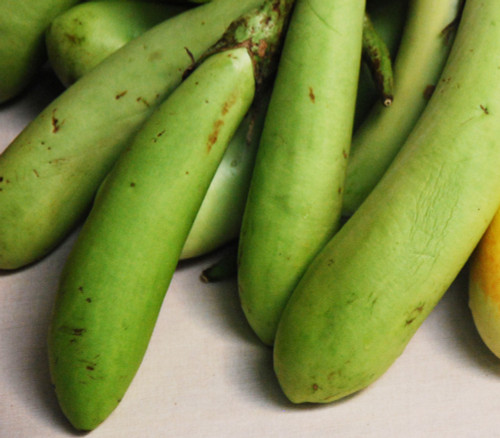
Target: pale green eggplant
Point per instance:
(295, 196)
(369, 290)
(116, 276)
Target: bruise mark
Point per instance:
(1, 179)
(36, 173)
(485, 109)
(88, 299)
(315, 387)
(144, 101)
(414, 314)
(74, 39)
(228, 104)
(311, 95)
(72, 331)
(80, 289)
(339, 190)
(344, 154)
(212, 138)
(120, 95)
(429, 91)
(132, 184)
(161, 133)
(56, 124)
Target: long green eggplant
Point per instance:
(371, 287)
(83, 36)
(22, 49)
(426, 42)
(51, 171)
(120, 267)
(295, 195)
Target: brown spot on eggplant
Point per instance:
(429, 91)
(212, 138)
(56, 124)
(311, 95)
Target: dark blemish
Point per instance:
(80, 289)
(339, 190)
(79, 331)
(485, 110)
(193, 61)
(315, 387)
(74, 39)
(197, 83)
(120, 95)
(187, 172)
(161, 133)
(55, 122)
(90, 368)
(144, 101)
(428, 92)
(415, 312)
(1, 178)
(330, 262)
(206, 101)
(36, 173)
(132, 184)
(89, 300)
(212, 138)
(311, 95)
(344, 154)
(119, 400)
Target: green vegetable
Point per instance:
(108, 300)
(295, 195)
(22, 50)
(116, 276)
(80, 38)
(49, 174)
(367, 292)
(425, 45)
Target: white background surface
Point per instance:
(206, 375)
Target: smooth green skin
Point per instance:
(388, 19)
(116, 276)
(86, 34)
(371, 287)
(22, 50)
(219, 219)
(50, 173)
(419, 62)
(294, 200)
